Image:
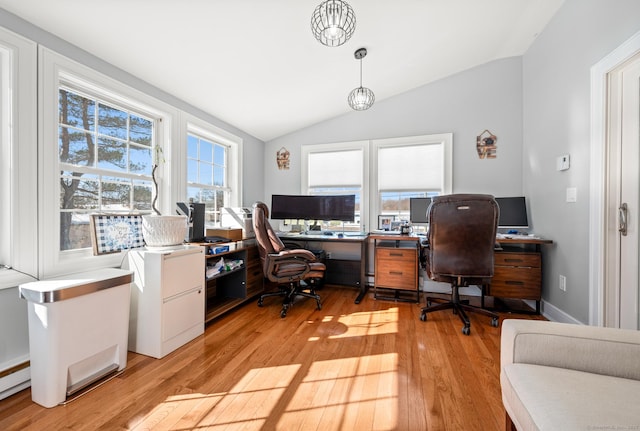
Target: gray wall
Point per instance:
(556, 80)
(486, 97)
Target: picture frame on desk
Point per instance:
(385, 221)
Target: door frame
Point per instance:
(599, 175)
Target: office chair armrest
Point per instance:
(298, 253)
(287, 267)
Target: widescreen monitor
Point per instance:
(513, 212)
(418, 210)
(307, 207)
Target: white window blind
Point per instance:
(411, 167)
(335, 168)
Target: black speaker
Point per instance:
(195, 213)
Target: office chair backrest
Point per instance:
(266, 237)
(462, 235)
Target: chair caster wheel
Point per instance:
(494, 322)
(466, 330)
(423, 317)
(319, 306)
(283, 313)
(260, 304)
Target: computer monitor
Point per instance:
(513, 212)
(418, 210)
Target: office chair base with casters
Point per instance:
(290, 292)
(460, 250)
(459, 307)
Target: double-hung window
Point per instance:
(337, 169)
(98, 142)
(213, 170)
(417, 166)
(398, 169)
(105, 155)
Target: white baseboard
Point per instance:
(555, 314)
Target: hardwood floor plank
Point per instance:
(366, 366)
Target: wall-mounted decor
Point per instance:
(112, 233)
(486, 145)
(282, 158)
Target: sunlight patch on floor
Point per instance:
(349, 393)
(369, 323)
(248, 403)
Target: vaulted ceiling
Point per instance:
(256, 65)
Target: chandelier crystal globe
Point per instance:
(361, 98)
(333, 22)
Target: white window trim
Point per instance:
(18, 216)
(53, 68)
(192, 124)
(444, 139)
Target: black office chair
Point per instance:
(296, 271)
(460, 250)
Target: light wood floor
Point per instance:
(347, 367)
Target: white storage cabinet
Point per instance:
(167, 299)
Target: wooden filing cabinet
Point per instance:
(517, 274)
(396, 267)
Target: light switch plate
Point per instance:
(572, 194)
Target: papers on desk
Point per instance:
(386, 232)
(500, 236)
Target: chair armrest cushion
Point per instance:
(298, 253)
(606, 351)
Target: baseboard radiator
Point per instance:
(14, 377)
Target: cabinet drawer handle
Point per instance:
(513, 260)
(515, 282)
(395, 272)
(396, 254)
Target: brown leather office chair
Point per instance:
(460, 249)
(297, 272)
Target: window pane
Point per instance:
(112, 122)
(219, 155)
(74, 231)
(218, 178)
(75, 147)
(142, 191)
(112, 154)
(140, 160)
(206, 174)
(192, 147)
(116, 196)
(206, 151)
(141, 131)
(76, 110)
(78, 191)
(192, 171)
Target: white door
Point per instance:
(622, 298)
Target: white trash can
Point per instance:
(78, 329)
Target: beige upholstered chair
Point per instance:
(297, 272)
(561, 376)
(460, 249)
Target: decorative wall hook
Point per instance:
(486, 145)
(282, 158)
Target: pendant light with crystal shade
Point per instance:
(361, 98)
(333, 22)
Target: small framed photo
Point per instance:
(395, 225)
(385, 221)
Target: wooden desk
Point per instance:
(348, 272)
(518, 270)
(396, 264)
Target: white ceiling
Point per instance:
(256, 65)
